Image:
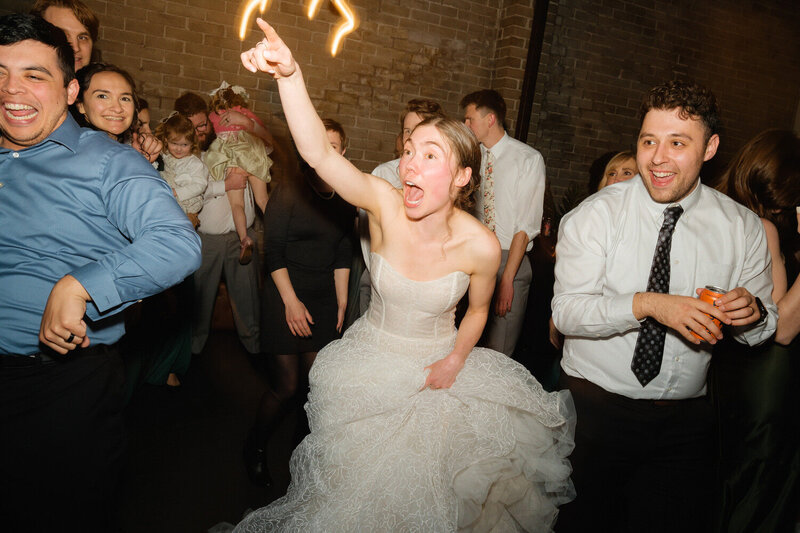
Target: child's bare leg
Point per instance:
(236, 199)
(260, 193)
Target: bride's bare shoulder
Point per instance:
(481, 243)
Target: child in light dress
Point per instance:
(183, 170)
(235, 146)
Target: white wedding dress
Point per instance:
(488, 454)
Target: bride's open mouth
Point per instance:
(412, 195)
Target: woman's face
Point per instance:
(621, 171)
(77, 34)
(427, 171)
(108, 103)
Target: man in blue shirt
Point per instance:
(87, 227)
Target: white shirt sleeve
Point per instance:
(580, 306)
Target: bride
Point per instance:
(412, 427)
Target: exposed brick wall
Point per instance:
(402, 49)
(601, 57)
(598, 60)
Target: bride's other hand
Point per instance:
(270, 55)
(443, 372)
(298, 318)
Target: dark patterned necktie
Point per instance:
(649, 349)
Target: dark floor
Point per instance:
(184, 470)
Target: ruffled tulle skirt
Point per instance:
(488, 454)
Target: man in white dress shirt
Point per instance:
(221, 246)
(630, 260)
(510, 203)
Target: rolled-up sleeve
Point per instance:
(530, 195)
(164, 248)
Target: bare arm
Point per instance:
(272, 56)
(481, 287)
(505, 291)
(341, 279)
(297, 316)
(788, 301)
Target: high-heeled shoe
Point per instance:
(246, 253)
(255, 462)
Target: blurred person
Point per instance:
(757, 389)
(621, 167)
(308, 252)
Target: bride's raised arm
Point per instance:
(271, 55)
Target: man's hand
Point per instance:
(63, 328)
(683, 314)
(235, 118)
(235, 179)
(739, 305)
(148, 145)
(504, 297)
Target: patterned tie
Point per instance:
(649, 349)
(488, 192)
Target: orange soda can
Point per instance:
(710, 294)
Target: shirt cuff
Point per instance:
(621, 309)
(99, 283)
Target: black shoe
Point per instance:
(255, 462)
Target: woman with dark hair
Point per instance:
(757, 389)
(412, 427)
(107, 101)
(308, 251)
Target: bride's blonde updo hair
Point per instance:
(466, 153)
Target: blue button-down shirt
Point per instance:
(82, 204)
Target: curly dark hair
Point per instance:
(693, 101)
(18, 27)
(423, 107)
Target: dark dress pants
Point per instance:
(62, 439)
(639, 465)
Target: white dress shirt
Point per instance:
(216, 217)
(389, 171)
(604, 254)
(519, 179)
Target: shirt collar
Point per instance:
(67, 134)
(656, 209)
(498, 147)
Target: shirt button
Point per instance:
(677, 359)
(16, 155)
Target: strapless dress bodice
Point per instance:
(418, 310)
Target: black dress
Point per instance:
(310, 234)
(757, 393)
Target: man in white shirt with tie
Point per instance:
(510, 204)
(630, 260)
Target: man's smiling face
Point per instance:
(33, 98)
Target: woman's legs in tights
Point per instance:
(290, 382)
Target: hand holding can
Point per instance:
(710, 294)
